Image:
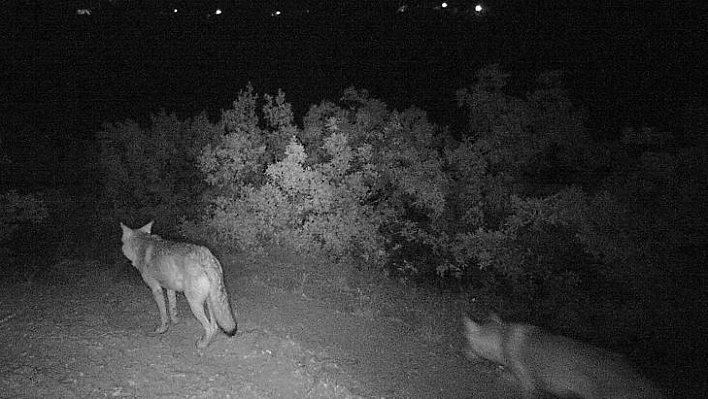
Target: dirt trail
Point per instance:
(387, 357)
(87, 338)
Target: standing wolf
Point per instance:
(545, 364)
(182, 267)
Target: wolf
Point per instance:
(546, 365)
(183, 267)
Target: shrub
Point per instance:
(315, 208)
(150, 173)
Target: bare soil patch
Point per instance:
(299, 337)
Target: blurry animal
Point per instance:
(552, 365)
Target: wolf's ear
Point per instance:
(495, 318)
(125, 228)
(147, 228)
(470, 326)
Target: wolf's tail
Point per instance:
(218, 300)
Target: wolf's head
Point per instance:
(485, 341)
(128, 248)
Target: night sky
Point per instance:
(627, 65)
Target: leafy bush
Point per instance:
(150, 173)
(405, 173)
(650, 211)
(326, 208)
(234, 166)
(515, 153)
(560, 222)
(265, 196)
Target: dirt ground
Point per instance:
(86, 335)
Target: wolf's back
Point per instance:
(557, 365)
(568, 368)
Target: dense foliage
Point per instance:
(150, 172)
(523, 202)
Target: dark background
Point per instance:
(629, 65)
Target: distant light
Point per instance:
(175, 11)
(83, 11)
(443, 5)
(403, 8)
(218, 11)
(478, 8)
(276, 13)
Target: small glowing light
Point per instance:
(83, 11)
(443, 5)
(277, 13)
(218, 11)
(175, 11)
(478, 8)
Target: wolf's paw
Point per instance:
(203, 342)
(161, 329)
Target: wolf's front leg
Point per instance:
(160, 300)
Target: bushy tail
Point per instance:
(218, 300)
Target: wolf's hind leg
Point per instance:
(172, 300)
(160, 300)
(196, 303)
